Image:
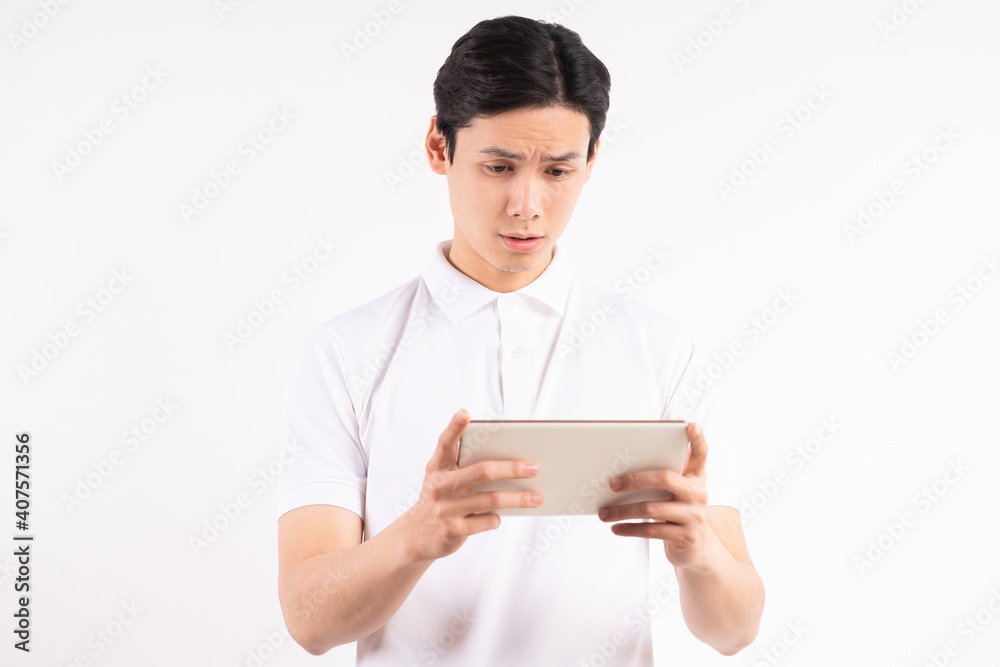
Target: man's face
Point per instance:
(516, 174)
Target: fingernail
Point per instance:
(602, 513)
(530, 469)
(616, 484)
(458, 415)
(536, 498)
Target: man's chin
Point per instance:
(518, 262)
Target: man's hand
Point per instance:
(682, 522)
(448, 511)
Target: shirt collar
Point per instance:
(459, 296)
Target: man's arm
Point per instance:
(722, 604)
(334, 588)
(721, 594)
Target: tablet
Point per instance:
(576, 459)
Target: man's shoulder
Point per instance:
(373, 320)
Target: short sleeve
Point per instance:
(320, 433)
(696, 397)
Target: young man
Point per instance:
(381, 540)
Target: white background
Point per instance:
(676, 131)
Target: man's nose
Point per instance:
(526, 197)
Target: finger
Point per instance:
(479, 523)
(485, 471)
(657, 510)
(698, 454)
(668, 532)
(445, 455)
(490, 501)
(681, 487)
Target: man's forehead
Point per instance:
(554, 135)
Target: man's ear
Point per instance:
(590, 162)
(437, 152)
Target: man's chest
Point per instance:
(424, 387)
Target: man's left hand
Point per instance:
(681, 522)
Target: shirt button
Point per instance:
(509, 305)
(516, 354)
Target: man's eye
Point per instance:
(561, 172)
(492, 168)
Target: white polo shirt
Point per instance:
(374, 387)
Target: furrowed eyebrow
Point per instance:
(496, 151)
(565, 157)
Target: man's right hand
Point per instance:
(448, 511)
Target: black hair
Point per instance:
(513, 62)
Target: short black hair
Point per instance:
(513, 62)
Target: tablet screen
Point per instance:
(576, 459)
